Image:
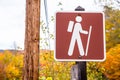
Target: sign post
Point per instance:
(82, 74)
(80, 36)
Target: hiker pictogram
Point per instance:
(76, 29)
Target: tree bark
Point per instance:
(32, 34)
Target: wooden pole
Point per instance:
(32, 34)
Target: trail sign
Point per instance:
(80, 36)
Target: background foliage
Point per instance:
(11, 65)
(51, 68)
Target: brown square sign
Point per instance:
(80, 36)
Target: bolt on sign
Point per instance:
(80, 36)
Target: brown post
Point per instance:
(32, 34)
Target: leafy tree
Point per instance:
(93, 72)
(11, 66)
(53, 70)
(112, 27)
(1, 67)
(111, 67)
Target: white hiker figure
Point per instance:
(77, 29)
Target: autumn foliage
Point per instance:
(111, 67)
(52, 69)
(11, 65)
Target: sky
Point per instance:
(12, 19)
(12, 13)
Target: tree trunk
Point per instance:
(31, 55)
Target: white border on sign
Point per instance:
(96, 60)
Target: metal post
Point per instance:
(82, 75)
(78, 71)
